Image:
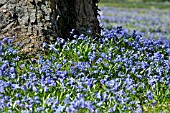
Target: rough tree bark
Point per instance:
(46, 19)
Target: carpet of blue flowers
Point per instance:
(118, 72)
(150, 23)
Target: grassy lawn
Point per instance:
(134, 4)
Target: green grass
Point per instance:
(135, 4)
(164, 108)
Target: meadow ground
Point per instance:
(125, 70)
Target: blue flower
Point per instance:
(40, 109)
(138, 109)
(24, 111)
(12, 70)
(60, 108)
(15, 86)
(149, 95)
(44, 45)
(113, 109)
(2, 89)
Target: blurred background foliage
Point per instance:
(135, 0)
(161, 4)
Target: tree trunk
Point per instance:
(47, 19)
